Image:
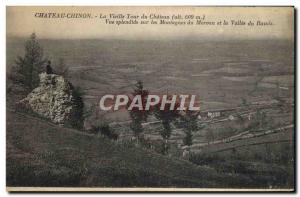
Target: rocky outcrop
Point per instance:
(55, 99)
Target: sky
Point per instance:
(21, 22)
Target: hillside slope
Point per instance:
(40, 153)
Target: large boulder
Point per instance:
(55, 99)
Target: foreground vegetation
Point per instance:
(49, 155)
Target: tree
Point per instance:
(29, 66)
(189, 124)
(166, 116)
(137, 115)
(259, 120)
(210, 137)
(188, 139)
(244, 103)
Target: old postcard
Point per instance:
(149, 99)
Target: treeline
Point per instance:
(168, 117)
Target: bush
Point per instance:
(77, 117)
(108, 132)
(105, 130)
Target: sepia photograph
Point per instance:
(150, 98)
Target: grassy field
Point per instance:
(49, 155)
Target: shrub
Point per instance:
(77, 117)
(105, 130)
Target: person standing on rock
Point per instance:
(49, 68)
